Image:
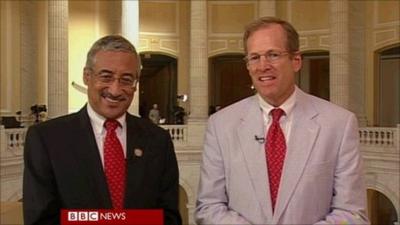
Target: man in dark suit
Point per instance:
(75, 161)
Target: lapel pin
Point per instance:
(138, 152)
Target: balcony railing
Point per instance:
(380, 136)
(12, 140)
(178, 133)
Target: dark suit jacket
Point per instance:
(63, 169)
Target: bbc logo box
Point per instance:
(114, 217)
(83, 216)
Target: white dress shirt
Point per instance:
(285, 121)
(99, 130)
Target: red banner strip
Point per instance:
(114, 217)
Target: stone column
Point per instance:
(130, 30)
(191, 209)
(339, 53)
(266, 8)
(346, 57)
(29, 56)
(357, 61)
(57, 58)
(8, 54)
(198, 73)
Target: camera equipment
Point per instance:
(36, 110)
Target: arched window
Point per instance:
(313, 78)
(158, 84)
(387, 85)
(229, 80)
(380, 209)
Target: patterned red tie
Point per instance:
(114, 165)
(275, 149)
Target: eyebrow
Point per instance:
(111, 72)
(105, 71)
(271, 50)
(128, 75)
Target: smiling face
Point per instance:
(111, 99)
(274, 81)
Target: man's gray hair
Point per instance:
(111, 43)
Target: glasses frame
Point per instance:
(271, 56)
(112, 79)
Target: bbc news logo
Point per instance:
(83, 216)
(95, 216)
(112, 217)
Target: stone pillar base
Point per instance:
(11, 180)
(362, 121)
(191, 209)
(196, 131)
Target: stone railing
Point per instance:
(12, 141)
(380, 136)
(178, 133)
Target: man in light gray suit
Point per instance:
(300, 167)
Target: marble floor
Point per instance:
(11, 213)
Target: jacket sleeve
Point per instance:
(40, 202)
(212, 202)
(349, 196)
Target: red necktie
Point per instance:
(275, 151)
(114, 165)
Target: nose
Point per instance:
(115, 88)
(264, 63)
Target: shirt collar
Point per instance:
(98, 120)
(287, 105)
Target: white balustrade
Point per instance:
(12, 141)
(380, 136)
(178, 133)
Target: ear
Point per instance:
(247, 66)
(249, 69)
(86, 76)
(297, 62)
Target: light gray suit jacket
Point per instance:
(322, 181)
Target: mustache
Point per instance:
(112, 97)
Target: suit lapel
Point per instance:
(252, 124)
(89, 158)
(136, 155)
(303, 135)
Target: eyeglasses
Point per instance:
(271, 56)
(125, 81)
